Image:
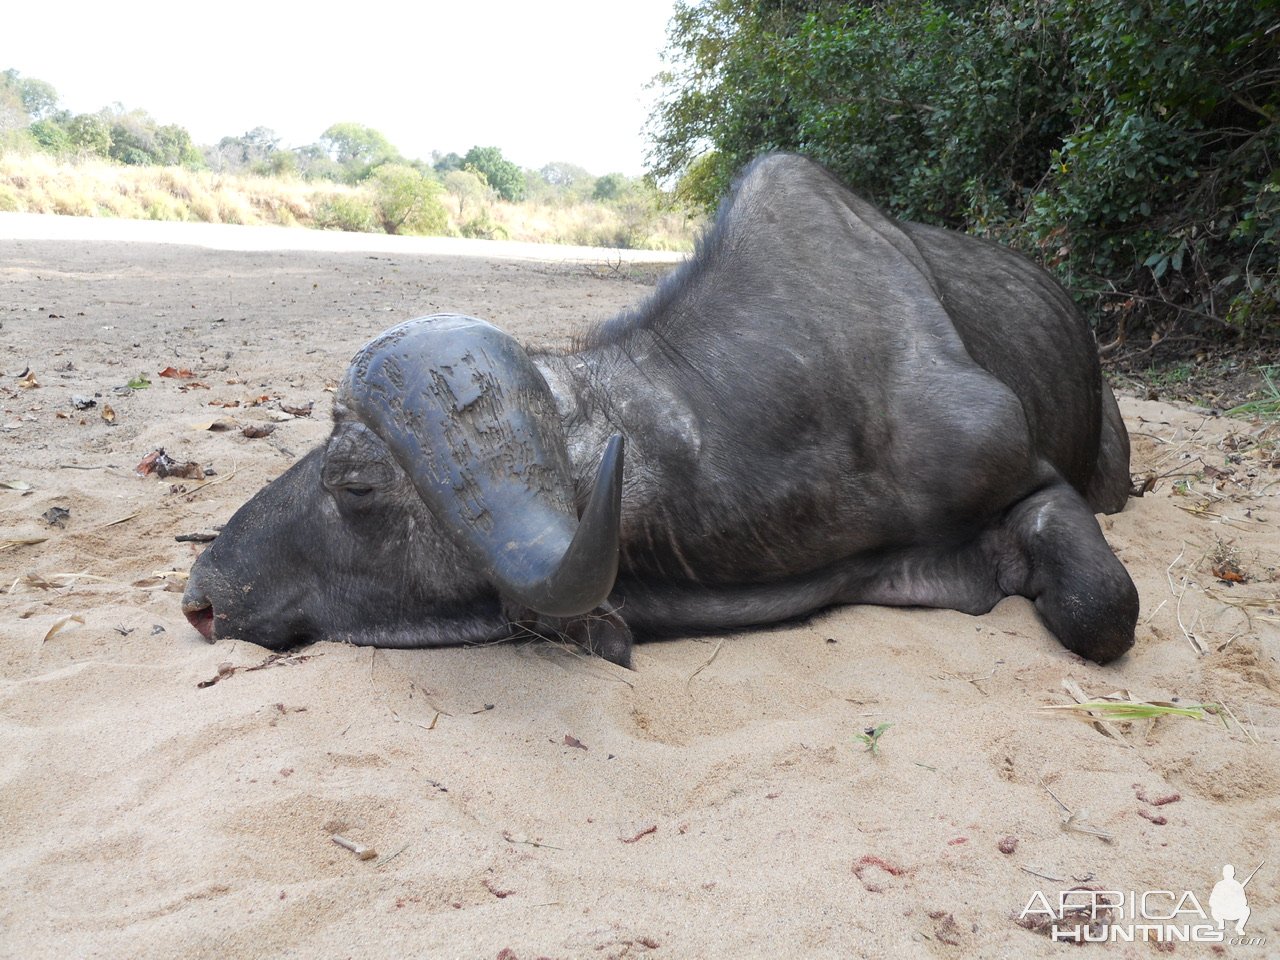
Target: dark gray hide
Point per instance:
(822, 406)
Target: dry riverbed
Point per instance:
(520, 801)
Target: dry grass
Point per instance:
(635, 226)
(38, 183)
(41, 184)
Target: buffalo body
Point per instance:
(822, 406)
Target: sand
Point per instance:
(524, 801)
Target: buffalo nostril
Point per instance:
(200, 615)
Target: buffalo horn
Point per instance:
(474, 425)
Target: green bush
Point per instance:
(498, 172)
(52, 137)
(483, 227)
(406, 201)
(90, 134)
(1130, 146)
(355, 150)
(609, 187)
(346, 211)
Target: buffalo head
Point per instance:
(441, 510)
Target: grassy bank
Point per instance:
(38, 183)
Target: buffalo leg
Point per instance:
(1053, 552)
(963, 578)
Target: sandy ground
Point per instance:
(524, 801)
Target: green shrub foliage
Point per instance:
(1131, 146)
(499, 173)
(350, 212)
(407, 201)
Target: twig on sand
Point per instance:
(1196, 645)
(12, 542)
(1152, 615)
(385, 860)
(1042, 876)
(1243, 604)
(1168, 571)
(281, 660)
(506, 835)
(1243, 601)
(216, 480)
(417, 723)
(1075, 820)
(112, 523)
(1180, 591)
(227, 668)
(359, 849)
(1202, 510)
(1243, 729)
(975, 680)
(55, 580)
(1230, 640)
(62, 623)
(715, 653)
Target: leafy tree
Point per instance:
(245, 152)
(173, 147)
(37, 98)
(314, 163)
(445, 163)
(357, 149)
(700, 185)
(609, 187)
(280, 163)
(133, 137)
(90, 134)
(501, 174)
(565, 175)
(407, 201)
(468, 190)
(1131, 146)
(13, 120)
(136, 139)
(52, 136)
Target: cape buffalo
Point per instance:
(821, 406)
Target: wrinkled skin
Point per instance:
(821, 407)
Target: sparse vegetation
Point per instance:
(407, 201)
(870, 737)
(124, 163)
(1267, 403)
(37, 183)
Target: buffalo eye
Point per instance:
(356, 483)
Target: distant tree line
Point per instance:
(29, 115)
(403, 195)
(1131, 146)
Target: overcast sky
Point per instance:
(542, 79)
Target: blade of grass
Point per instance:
(1133, 710)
